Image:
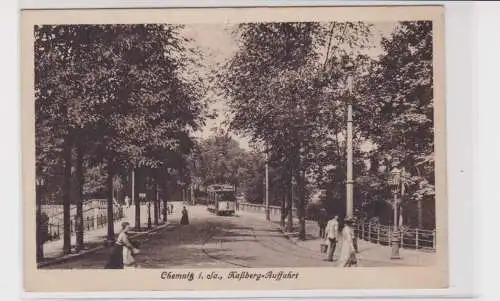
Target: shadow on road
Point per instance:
(204, 242)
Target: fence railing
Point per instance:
(56, 211)
(93, 219)
(410, 238)
(273, 210)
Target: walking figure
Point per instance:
(331, 235)
(164, 210)
(121, 254)
(322, 221)
(172, 208)
(355, 234)
(184, 218)
(347, 256)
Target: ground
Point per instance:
(210, 241)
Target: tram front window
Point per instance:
(226, 196)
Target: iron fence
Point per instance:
(93, 219)
(411, 238)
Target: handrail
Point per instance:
(411, 238)
(90, 222)
(73, 206)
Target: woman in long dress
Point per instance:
(184, 218)
(347, 256)
(121, 254)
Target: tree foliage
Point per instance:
(123, 96)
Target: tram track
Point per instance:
(211, 233)
(281, 248)
(265, 241)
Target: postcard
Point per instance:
(278, 148)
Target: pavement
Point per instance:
(368, 252)
(242, 240)
(97, 239)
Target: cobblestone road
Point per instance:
(215, 242)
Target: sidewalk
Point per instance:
(96, 239)
(367, 251)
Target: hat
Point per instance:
(349, 220)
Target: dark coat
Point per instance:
(185, 217)
(115, 260)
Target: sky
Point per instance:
(218, 43)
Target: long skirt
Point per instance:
(128, 259)
(115, 260)
(184, 219)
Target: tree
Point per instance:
(54, 86)
(275, 85)
(119, 95)
(398, 114)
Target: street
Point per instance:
(242, 240)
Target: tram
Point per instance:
(221, 199)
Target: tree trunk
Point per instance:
(67, 197)
(156, 205)
(420, 214)
(110, 203)
(301, 205)
(39, 238)
(79, 202)
(283, 204)
(137, 204)
(165, 204)
(289, 227)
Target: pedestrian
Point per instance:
(164, 210)
(45, 235)
(322, 221)
(121, 254)
(172, 208)
(347, 256)
(184, 218)
(331, 236)
(355, 222)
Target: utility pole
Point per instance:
(349, 182)
(268, 218)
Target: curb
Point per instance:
(295, 240)
(74, 256)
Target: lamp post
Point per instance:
(395, 181)
(39, 239)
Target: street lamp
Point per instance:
(395, 181)
(39, 239)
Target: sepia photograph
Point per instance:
(236, 149)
